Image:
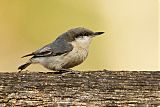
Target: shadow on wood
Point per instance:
(91, 89)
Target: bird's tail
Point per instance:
(24, 66)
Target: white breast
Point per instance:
(79, 52)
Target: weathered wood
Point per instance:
(91, 89)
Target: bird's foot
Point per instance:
(66, 71)
(22, 71)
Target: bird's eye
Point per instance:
(79, 35)
(82, 34)
(85, 34)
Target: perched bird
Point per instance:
(68, 50)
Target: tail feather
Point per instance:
(23, 66)
(28, 55)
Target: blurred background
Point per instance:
(130, 41)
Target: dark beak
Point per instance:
(98, 33)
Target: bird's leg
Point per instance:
(66, 70)
(61, 71)
(69, 71)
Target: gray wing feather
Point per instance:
(58, 47)
(44, 51)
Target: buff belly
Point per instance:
(64, 61)
(67, 60)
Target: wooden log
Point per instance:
(84, 89)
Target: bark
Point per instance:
(91, 89)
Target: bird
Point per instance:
(66, 51)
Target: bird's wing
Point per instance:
(44, 51)
(58, 47)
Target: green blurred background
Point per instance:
(130, 41)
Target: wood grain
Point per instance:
(83, 89)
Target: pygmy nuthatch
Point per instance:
(68, 50)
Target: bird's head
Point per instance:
(81, 35)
